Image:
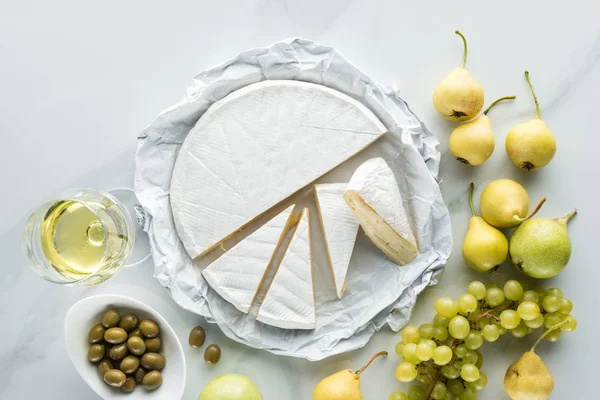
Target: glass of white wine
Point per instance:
(82, 238)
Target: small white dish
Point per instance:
(88, 312)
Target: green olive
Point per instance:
(111, 318)
(138, 375)
(96, 333)
(115, 378)
(197, 337)
(136, 345)
(135, 332)
(152, 380)
(128, 386)
(96, 352)
(129, 322)
(104, 366)
(149, 328)
(118, 352)
(152, 361)
(212, 354)
(129, 364)
(152, 345)
(115, 335)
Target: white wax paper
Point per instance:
(379, 291)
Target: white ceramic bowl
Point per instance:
(88, 312)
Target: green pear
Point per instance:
(484, 247)
(473, 142)
(458, 97)
(343, 385)
(531, 145)
(541, 247)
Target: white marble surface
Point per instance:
(79, 80)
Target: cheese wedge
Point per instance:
(238, 274)
(374, 197)
(290, 300)
(255, 148)
(340, 227)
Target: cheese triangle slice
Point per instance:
(340, 227)
(374, 197)
(238, 274)
(290, 300)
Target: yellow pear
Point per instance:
(484, 247)
(504, 203)
(458, 97)
(531, 145)
(528, 378)
(343, 385)
(472, 143)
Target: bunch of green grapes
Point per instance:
(444, 355)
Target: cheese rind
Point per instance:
(375, 199)
(255, 148)
(238, 274)
(290, 300)
(340, 227)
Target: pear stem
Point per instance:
(498, 101)
(471, 189)
(464, 59)
(555, 327)
(565, 220)
(537, 208)
(537, 105)
(381, 353)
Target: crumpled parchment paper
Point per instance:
(379, 291)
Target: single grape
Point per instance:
(410, 334)
(551, 303)
(426, 331)
(406, 372)
(441, 333)
(459, 327)
(450, 371)
(429, 343)
(530, 295)
(424, 352)
(439, 391)
(494, 296)
(470, 357)
(410, 353)
(510, 319)
(536, 322)
(469, 372)
(571, 324)
(528, 310)
(479, 362)
(474, 340)
(398, 396)
(442, 355)
(467, 303)
(565, 306)
(468, 394)
(477, 289)
(438, 320)
(460, 351)
(417, 392)
(513, 290)
(481, 382)
(491, 333)
(446, 307)
(551, 320)
(554, 336)
(423, 377)
(556, 292)
(520, 331)
(399, 349)
(455, 387)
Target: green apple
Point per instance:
(230, 387)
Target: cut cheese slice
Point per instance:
(340, 227)
(290, 300)
(255, 148)
(238, 274)
(374, 197)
